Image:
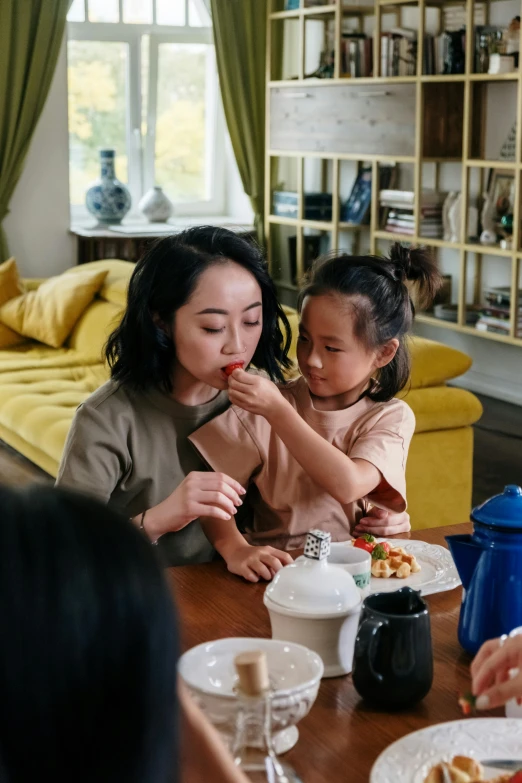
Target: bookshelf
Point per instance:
(424, 131)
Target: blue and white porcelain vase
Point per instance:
(155, 205)
(108, 199)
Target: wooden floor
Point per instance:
(497, 459)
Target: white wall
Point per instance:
(38, 223)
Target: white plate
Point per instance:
(410, 759)
(437, 574)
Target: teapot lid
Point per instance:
(504, 510)
(313, 586)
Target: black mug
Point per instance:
(393, 657)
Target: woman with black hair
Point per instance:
(198, 302)
(89, 652)
(89, 645)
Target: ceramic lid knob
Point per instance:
(317, 545)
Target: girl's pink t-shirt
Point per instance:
(286, 502)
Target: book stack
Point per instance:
(496, 311)
(399, 52)
(356, 54)
(435, 54)
(400, 218)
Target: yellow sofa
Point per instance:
(41, 387)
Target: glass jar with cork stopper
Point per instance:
(252, 747)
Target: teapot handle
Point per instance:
(366, 646)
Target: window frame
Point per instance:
(141, 150)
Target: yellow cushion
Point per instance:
(114, 288)
(49, 313)
(10, 287)
(94, 327)
(443, 408)
(432, 363)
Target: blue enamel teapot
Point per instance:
(489, 563)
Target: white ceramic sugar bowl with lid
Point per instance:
(316, 604)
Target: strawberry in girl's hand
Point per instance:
(467, 704)
(229, 369)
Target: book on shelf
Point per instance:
(356, 54)
(437, 49)
(500, 296)
(495, 313)
(399, 215)
(399, 52)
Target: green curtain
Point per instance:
(240, 37)
(31, 33)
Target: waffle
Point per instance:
(462, 769)
(398, 563)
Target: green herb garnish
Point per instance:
(379, 553)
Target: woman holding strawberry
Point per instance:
(198, 302)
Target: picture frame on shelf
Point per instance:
(355, 209)
(501, 190)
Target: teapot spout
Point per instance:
(465, 552)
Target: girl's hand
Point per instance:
(254, 394)
(490, 672)
(255, 562)
(383, 523)
(200, 494)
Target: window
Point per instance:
(143, 80)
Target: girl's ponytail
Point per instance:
(418, 265)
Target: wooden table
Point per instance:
(341, 737)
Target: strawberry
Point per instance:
(366, 542)
(229, 369)
(467, 703)
(517, 778)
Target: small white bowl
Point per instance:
(295, 673)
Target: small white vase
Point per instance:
(155, 205)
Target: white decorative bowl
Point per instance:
(295, 673)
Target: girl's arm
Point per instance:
(243, 559)
(347, 480)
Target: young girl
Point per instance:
(320, 449)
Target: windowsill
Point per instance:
(139, 227)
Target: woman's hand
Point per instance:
(490, 672)
(200, 494)
(255, 562)
(382, 523)
(255, 394)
